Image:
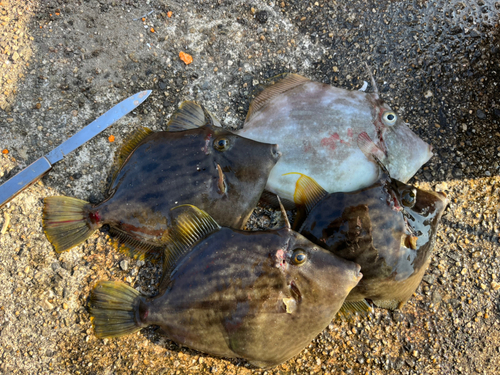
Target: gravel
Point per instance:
(63, 63)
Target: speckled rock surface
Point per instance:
(63, 63)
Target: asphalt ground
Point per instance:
(63, 63)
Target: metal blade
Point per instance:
(97, 126)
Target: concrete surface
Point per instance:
(65, 62)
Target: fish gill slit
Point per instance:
(221, 183)
(295, 292)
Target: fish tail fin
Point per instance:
(66, 222)
(114, 308)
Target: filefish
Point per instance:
(317, 127)
(193, 162)
(388, 228)
(261, 296)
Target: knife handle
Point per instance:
(23, 179)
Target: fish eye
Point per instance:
(409, 198)
(389, 118)
(221, 144)
(299, 257)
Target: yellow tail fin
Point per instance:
(66, 222)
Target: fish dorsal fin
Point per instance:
(135, 248)
(190, 115)
(129, 145)
(307, 192)
(288, 82)
(374, 84)
(190, 225)
(350, 309)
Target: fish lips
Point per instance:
(357, 273)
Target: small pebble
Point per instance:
(261, 16)
(124, 265)
(430, 279)
(441, 187)
(47, 305)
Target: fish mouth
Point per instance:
(430, 151)
(275, 153)
(357, 273)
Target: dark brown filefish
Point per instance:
(194, 162)
(389, 229)
(261, 296)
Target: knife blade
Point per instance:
(37, 169)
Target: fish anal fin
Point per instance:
(129, 145)
(190, 225)
(352, 308)
(134, 247)
(190, 115)
(283, 83)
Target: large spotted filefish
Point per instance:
(318, 128)
(194, 162)
(261, 296)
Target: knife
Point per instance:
(36, 170)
